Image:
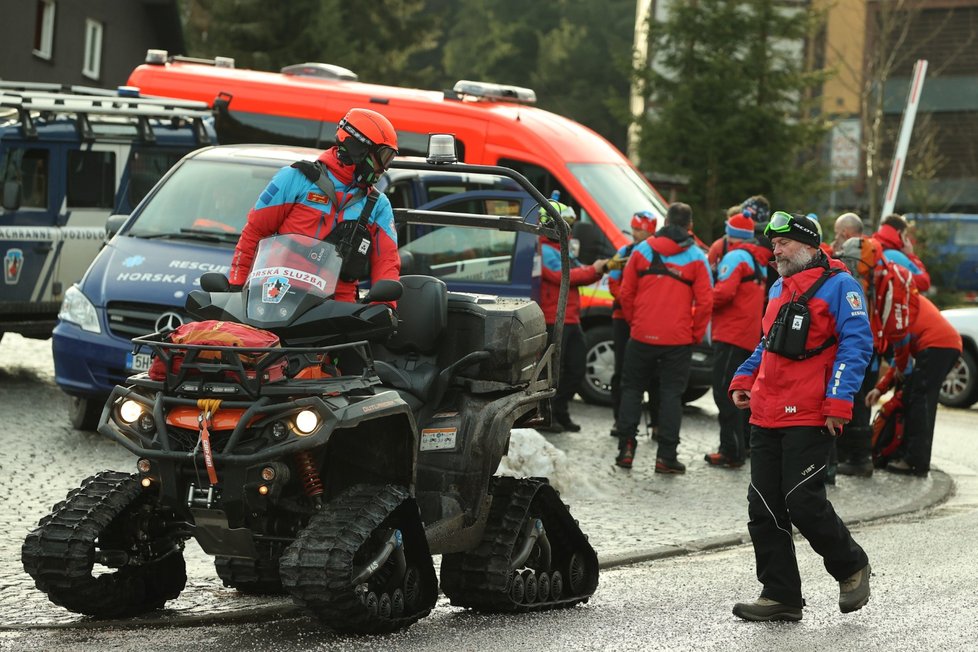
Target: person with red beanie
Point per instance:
(738, 303)
(643, 226)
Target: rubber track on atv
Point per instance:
(317, 568)
(480, 579)
(59, 554)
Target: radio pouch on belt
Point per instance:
(788, 334)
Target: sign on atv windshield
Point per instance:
(291, 274)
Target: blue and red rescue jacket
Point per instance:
(666, 291)
(291, 203)
(738, 296)
(787, 392)
(580, 274)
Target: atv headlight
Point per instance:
(77, 309)
(306, 421)
(130, 410)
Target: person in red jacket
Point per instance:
(293, 202)
(935, 346)
(667, 298)
(574, 352)
(799, 384)
(738, 303)
(643, 227)
(898, 248)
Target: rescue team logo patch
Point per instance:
(274, 289)
(317, 198)
(855, 300)
(13, 262)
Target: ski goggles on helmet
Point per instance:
(359, 147)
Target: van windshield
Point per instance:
(202, 198)
(619, 190)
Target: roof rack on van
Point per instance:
(81, 105)
(160, 57)
(495, 92)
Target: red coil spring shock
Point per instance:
(312, 485)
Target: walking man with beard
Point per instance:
(799, 384)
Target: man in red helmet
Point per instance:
(333, 199)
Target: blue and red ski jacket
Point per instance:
(668, 303)
(738, 296)
(786, 392)
(291, 203)
(580, 274)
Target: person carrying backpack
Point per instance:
(738, 303)
(898, 248)
(935, 346)
(666, 295)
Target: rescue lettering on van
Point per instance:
(203, 267)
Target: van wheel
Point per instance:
(600, 362)
(960, 386)
(84, 413)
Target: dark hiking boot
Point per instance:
(902, 467)
(721, 460)
(565, 421)
(765, 610)
(857, 469)
(673, 466)
(854, 591)
(554, 428)
(626, 454)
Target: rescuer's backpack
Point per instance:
(888, 427)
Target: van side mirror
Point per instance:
(214, 282)
(113, 224)
(11, 195)
(384, 290)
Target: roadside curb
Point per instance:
(941, 488)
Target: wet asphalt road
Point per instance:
(680, 603)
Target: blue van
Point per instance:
(189, 224)
(70, 157)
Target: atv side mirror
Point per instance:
(11, 195)
(214, 282)
(384, 290)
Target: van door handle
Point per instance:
(42, 248)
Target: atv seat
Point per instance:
(408, 360)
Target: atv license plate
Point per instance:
(138, 362)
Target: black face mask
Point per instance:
(370, 161)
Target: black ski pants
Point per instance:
(572, 368)
(621, 333)
(671, 365)
(787, 488)
(734, 422)
(856, 443)
(930, 367)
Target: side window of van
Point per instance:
(452, 253)
(91, 179)
(29, 168)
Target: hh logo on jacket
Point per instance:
(790, 409)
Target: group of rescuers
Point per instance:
(799, 396)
